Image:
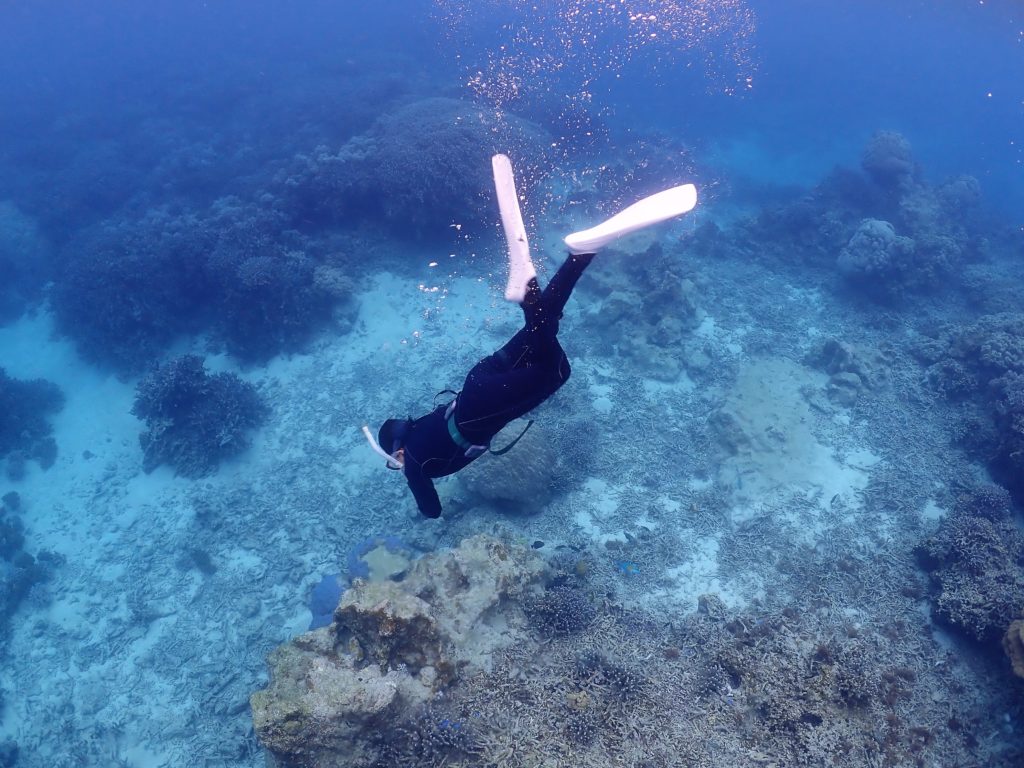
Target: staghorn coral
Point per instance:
(986, 500)
(560, 610)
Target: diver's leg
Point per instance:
(543, 311)
(562, 283)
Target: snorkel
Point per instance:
(393, 463)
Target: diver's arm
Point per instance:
(424, 492)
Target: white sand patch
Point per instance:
(602, 398)
(932, 513)
(698, 575)
(766, 419)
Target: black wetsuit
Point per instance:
(501, 387)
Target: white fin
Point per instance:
(520, 267)
(651, 210)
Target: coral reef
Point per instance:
(391, 649)
(885, 232)
(194, 419)
(976, 569)
(1008, 393)
(446, 669)
(418, 169)
(129, 288)
(269, 293)
(876, 253)
(889, 160)
(983, 363)
(649, 311)
(522, 481)
(24, 261)
(25, 431)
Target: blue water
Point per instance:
(809, 389)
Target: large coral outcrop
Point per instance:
(392, 647)
(876, 253)
(522, 481)
(889, 160)
(975, 565)
(419, 168)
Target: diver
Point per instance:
(529, 368)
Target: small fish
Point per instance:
(537, 544)
(627, 568)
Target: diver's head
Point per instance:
(392, 435)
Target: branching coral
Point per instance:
(25, 411)
(560, 610)
(194, 419)
(975, 564)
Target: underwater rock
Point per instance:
(391, 648)
(838, 357)
(382, 623)
(319, 702)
